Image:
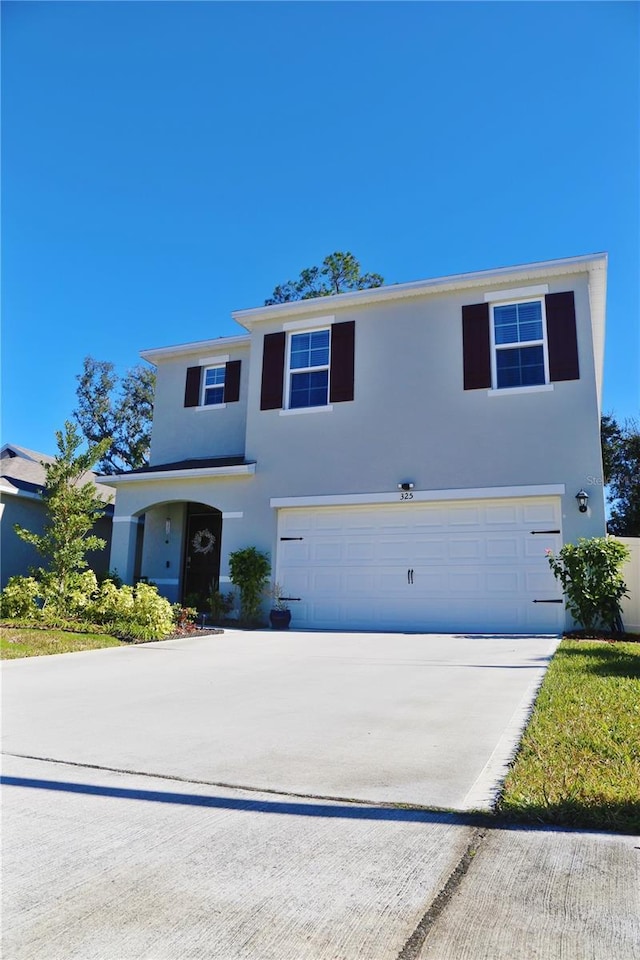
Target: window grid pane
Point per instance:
(214, 385)
(309, 389)
(518, 322)
(520, 367)
(310, 350)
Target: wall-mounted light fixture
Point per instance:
(582, 497)
(167, 529)
(405, 485)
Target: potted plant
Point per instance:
(279, 615)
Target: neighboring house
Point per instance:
(406, 454)
(22, 481)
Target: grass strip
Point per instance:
(16, 642)
(579, 760)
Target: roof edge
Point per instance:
(199, 346)
(567, 265)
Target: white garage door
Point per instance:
(474, 566)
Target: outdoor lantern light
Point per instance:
(582, 496)
(406, 485)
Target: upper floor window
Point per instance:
(307, 365)
(308, 378)
(519, 344)
(213, 387)
(212, 384)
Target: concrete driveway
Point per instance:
(425, 720)
(165, 801)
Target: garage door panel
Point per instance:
(502, 515)
(542, 585)
(464, 515)
(465, 549)
(393, 549)
(465, 584)
(433, 549)
(359, 550)
(294, 552)
(451, 567)
(359, 584)
(536, 545)
(328, 551)
(543, 512)
(506, 582)
(502, 548)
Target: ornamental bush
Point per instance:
(111, 603)
(129, 612)
(138, 612)
(591, 578)
(19, 599)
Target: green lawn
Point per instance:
(579, 761)
(24, 642)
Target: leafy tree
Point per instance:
(339, 273)
(117, 409)
(621, 462)
(73, 506)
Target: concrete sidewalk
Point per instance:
(106, 866)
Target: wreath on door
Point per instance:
(203, 542)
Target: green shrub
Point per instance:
(589, 572)
(220, 604)
(79, 596)
(250, 570)
(151, 611)
(111, 603)
(133, 612)
(130, 612)
(19, 599)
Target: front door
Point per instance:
(202, 557)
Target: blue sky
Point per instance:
(165, 163)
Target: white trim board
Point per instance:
(241, 470)
(422, 496)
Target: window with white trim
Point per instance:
(213, 385)
(308, 369)
(519, 346)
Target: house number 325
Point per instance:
(406, 496)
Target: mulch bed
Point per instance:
(607, 635)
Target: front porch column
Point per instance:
(123, 547)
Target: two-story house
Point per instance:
(405, 454)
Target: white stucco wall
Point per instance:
(181, 432)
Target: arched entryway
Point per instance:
(201, 563)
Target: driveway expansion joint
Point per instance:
(414, 944)
(461, 817)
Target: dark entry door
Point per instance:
(202, 556)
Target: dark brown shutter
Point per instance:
(192, 387)
(476, 346)
(232, 381)
(561, 336)
(272, 371)
(342, 361)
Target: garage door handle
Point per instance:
(410, 577)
